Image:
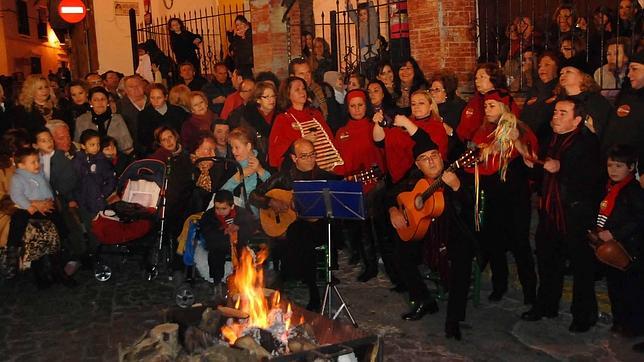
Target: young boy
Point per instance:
(621, 217)
(217, 225)
(34, 198)
(119, 160)
(95, 175)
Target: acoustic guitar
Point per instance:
(275, 224)
(425, 202)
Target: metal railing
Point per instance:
(210, 23)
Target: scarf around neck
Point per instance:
(608, 203)
(102, 121)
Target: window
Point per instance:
(42, 24)
(36, 65)
(23, 17)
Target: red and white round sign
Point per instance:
(72, 11)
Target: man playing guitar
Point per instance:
(297, 252)
(448, 233)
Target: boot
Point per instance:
(41, 277)
(220, 293)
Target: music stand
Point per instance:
(330, 200)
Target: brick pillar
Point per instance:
(441, 35)
(269, 36)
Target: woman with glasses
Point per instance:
(450, 106)
(258, 116)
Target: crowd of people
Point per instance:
(567, 145)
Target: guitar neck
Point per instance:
(438, 183)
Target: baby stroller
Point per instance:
(190, 247)
(134, 217)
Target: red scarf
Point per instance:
(608, 203)
(551, 201)
(224, 221)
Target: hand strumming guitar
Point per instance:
(397, 218)
(278, 206)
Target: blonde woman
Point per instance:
(37, 104)
(179, 95)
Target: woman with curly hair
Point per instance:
(184, 43)
(487, 77)
(575, 84)
(37, 104)
(412, 79)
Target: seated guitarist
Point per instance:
(448, 231)
(298, 250)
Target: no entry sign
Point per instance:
(72, 11)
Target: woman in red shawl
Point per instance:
(199, 121)
(286, 127)
(503, 182)
(398, 142)
(488, 77)
(360, 153)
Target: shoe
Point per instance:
(639, 347)
(220, 293)
(368, 274)
(579, 327)
(453, 330)
(496, 296)
(419, 309)
(534, 315)
(398, 288)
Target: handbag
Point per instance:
(40, 239)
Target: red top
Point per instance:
(359, 152)
(399, 145)
(473, 116)
(232, 102)
(191, 128)
(285, 131)
(485, 135)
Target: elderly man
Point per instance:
(133, 103)
(219, 88)
(62, 137)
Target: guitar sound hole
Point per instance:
(418, 202)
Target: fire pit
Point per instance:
(256, 324)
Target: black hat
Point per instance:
(423, 143)
(638, 58)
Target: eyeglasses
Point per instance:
(307, 156)
(268, 97)
(436, 90)
(426, 158)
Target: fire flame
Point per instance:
(247, 282)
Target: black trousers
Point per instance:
(408, 254)
(296, 253)
(506, 227)
(218, 250)
(553, 250)
(626, 293)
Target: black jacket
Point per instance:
(626, 222)
(539, 107)
(184, 48)
(149, 119)
(213, 234)
(197, 83)
(130, 115)
(626, 124)
(597, 107)
(62, 177)
(242, 49)
(215, 89)
(34, 120)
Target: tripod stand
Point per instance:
(330, 200)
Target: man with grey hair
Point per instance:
(62, 137)
(134, 102)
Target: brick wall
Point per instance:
(441, 35)
(269, 37)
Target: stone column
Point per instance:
(442, 35)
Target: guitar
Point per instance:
(425, 202)
(275, 224)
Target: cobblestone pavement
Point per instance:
(88, 323)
